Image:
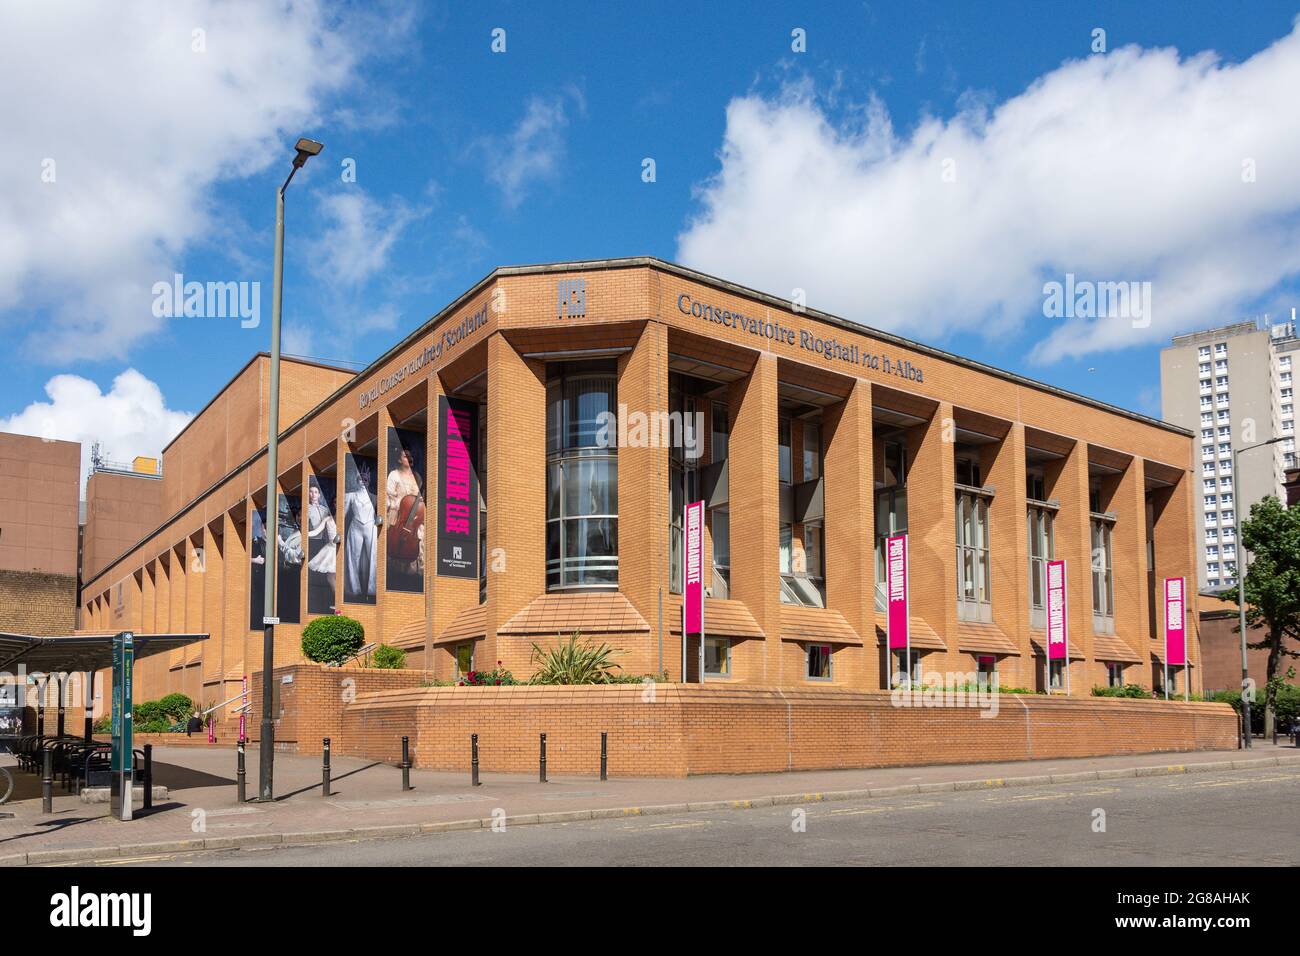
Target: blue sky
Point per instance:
(168, 158)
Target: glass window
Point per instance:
(1035, 487)
(783, 440)
(1041, 550)
(1103, 582)
(786, 557)
(1056, 670)
(986, 669)
(721, 554)
(717, 656)
(819, 662)
(464, 659)
(812, 451)
(812, 549)
(973, 591)
(891, 518)
(581, 478)
(902, 672)
(721, 431)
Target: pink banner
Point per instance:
(693, 591)
(1058, 638)
(896, 585)
(1175, 622)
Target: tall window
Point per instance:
(973, 593)
(812, 451)
(721, 554)
(581, 477)
(683, 480)
(721, 432)
(783, 452)
(891, 510)
(1042, 548)
(1103, 582)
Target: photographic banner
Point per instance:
(457, 488)
(404, 522)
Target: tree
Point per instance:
(1272, 536)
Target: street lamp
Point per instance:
(266, 747)
(1241, 594)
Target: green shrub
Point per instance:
(1287, 703)
(573, 663)
(177, 706)
(332, 639)
(388, 657)
(1127, 690)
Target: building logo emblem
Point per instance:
(571, 298)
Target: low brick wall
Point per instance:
(313, 700)
(693, 729)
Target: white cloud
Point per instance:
(131, 418)
(140, 127)
(533, 150)
(1123, 167)
(359, 235)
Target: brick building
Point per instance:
(809, 438)
(39, 481)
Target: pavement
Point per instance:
(201, 812)
(1187, 820)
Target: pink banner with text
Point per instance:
(693, 591)
(1058, 638)
(1175, 622)
(896, 585)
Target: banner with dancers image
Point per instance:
(322, 545)
(360, 531)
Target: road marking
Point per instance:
(861, 810)
(690, 825)
(1020, 798)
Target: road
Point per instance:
(1235, 817)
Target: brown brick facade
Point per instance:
(636, 313)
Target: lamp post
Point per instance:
(1241, 596)
(266, 744)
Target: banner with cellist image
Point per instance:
(404, 518)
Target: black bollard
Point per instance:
(473, 760)
(604, 755)
(406, 763)
(240, 773)
(47, 780)
(541, 771)
(148, 776)
(325, 768)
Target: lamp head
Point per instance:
(306, 148)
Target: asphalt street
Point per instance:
(1220, 818)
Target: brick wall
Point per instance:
(34, 602)
(689, 729)
(313, 703)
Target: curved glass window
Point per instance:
(581, 477)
